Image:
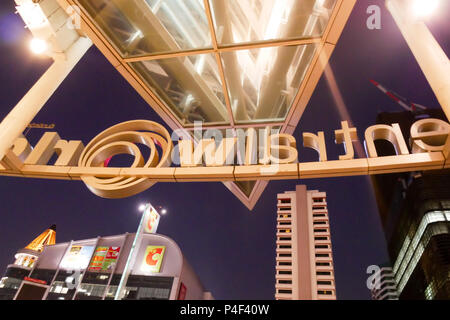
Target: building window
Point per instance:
(322, 264)
(326, 292)
(284, 291)
(285, 281)
(148, 288)
(90, 292)
(325, 283)
(322, 246)
(317, 215)
(322, 255)
(320, 230)
(284, 272)
(323, 273)
(319, 222)
(320, 238)
(285, 238)
(284, 263)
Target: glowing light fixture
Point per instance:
(32, 14)
(163, 211)
(38, 46)
(142, 207)
(424, 8)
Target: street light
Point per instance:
(142, 207)
(38, 46)
(424, 8)
(431, 57)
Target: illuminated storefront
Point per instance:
(25, 261)
(92, 269)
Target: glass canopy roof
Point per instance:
(226, 63)
(204, 60)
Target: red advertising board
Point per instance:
(182, 293)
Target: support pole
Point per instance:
(24, 112)
(132, 255)
(431, 58)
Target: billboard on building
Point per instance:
(77, 257)
(105, 259)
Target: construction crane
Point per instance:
(403, 102)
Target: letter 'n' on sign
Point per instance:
(68, 151)
(393, 134)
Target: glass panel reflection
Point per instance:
(142, 27)
(240, 21)
(264, 82)
(246, 186)
(189, 86)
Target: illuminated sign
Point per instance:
(153, 259)
(78, 257)
(34, 280)
(105, 259)
(151, 221)
(251, 155)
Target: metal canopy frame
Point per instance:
(325, 45)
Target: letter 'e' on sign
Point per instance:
(429, 135)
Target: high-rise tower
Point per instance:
(414, 209)
(304, 259)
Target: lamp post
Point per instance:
(132, 255)
(431, 58)
(149, 216)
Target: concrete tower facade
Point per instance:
(304, 259)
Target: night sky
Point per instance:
(231, 249)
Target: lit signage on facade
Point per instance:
(153, 259)
(78, 257)
(151, 220)
(105, 259)
(251, 155)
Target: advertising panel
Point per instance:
(151, 221)
(153, 259)
(78, 257)
(105, 259)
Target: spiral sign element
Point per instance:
(123, 139)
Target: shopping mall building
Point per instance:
(92, 269)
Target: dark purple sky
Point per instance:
(231, 248)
